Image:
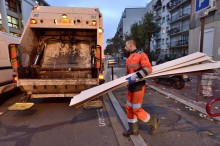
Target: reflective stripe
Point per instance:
(133, 65)
(138, 105)
(132, 120)
(147, 119)
(142, 73)
(147, 70)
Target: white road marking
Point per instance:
(101, 118)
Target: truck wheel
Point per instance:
(178, 83)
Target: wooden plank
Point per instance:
(178, 61)
(187, 69)
(78, 100)
(188, 63)
(171, 69)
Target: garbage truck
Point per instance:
(61, 52)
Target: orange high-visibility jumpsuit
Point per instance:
(137, 62)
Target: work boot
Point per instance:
(154, 123)
(133, 129)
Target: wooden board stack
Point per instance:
(191, 63)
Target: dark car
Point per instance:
(177, 81)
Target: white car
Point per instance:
(111, 61)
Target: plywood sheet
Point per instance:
(188, 63)
(178, 61)
(177, 66)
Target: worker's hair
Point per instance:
(131, 41)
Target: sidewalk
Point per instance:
(188, 94)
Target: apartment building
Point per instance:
(129, 17)
(211, 43)
(179, 26)
(161, 16)
(173, 16)
(14, 14)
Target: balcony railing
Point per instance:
(158, 36)
(180, 15)
(157, 46)
(157, 17)
(178, 29)
(174, 4)
(158, 5)
(179, 43)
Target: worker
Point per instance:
(139, 66)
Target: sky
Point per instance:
(111, 10)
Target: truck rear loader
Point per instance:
(61, 52)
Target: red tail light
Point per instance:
(15, 78)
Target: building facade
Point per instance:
(129, 17)
(14, 14)
(211, 43)
(173, 16)
(179, 26)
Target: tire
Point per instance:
(178, 83)
(157, 81)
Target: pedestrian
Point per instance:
(138, 64)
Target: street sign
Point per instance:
(201, 5)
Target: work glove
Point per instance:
(132, 79)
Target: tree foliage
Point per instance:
(114, 45)
(141, 32)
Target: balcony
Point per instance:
(158, 36)
(175, 4)
(158, 5)
(157, 46)
(178, 30)
(179, 43)
(180, 16)
(157, 17)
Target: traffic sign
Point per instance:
(201, 5)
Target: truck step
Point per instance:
(20, 106)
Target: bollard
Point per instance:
(112, 67)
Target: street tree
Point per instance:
(143, 32)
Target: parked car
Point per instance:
(111, 61)
(177, 81)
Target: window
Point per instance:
(163, 30)
(168, 17)
(11, 5)
(13, 22)
(167, 40)
(163, 20)
(214, 3)
(162, 41)
(163, 8)
(167, 28)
